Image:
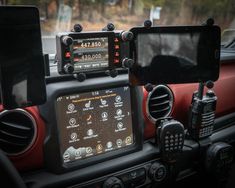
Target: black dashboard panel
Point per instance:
(97, 170)
(105, 169)
(55, 145)
(97, 174)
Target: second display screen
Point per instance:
(94, 123)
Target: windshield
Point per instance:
(60, 15)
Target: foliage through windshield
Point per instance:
(61, 15)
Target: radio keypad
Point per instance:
(173, 142)
(206, 131)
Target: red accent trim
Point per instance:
(32, 158)
(224, 89)
(149, 130)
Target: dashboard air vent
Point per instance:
(17, 131)
(159, 102)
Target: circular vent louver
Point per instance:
(17, 131)
(159, 102)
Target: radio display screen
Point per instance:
(94, 123)
(90, 53)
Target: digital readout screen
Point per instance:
(94, 123)
(90, 53)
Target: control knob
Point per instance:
(157, 172)
(128, 63)
(113, 182)
(67, 40)
(68, 68)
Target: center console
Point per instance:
(94, 123)
(91, 125)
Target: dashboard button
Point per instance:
(71, 107)
(119, 112)
(157, 172)
(72, 121)
(88, 104)
(116, 186)
(67, 54)
(118, 98)
(103, 102)
(133, 178)
(66, 156)
(90, 132)
(88, 150)
(117, 47)
(109, 145)
(99, 148)
(128, 140)
(119, 142)
(73, 136)
(113, 182)
(104, 115)
(120, 125)
(77, 153)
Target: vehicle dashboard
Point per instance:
(36, 162)
(109, 122)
